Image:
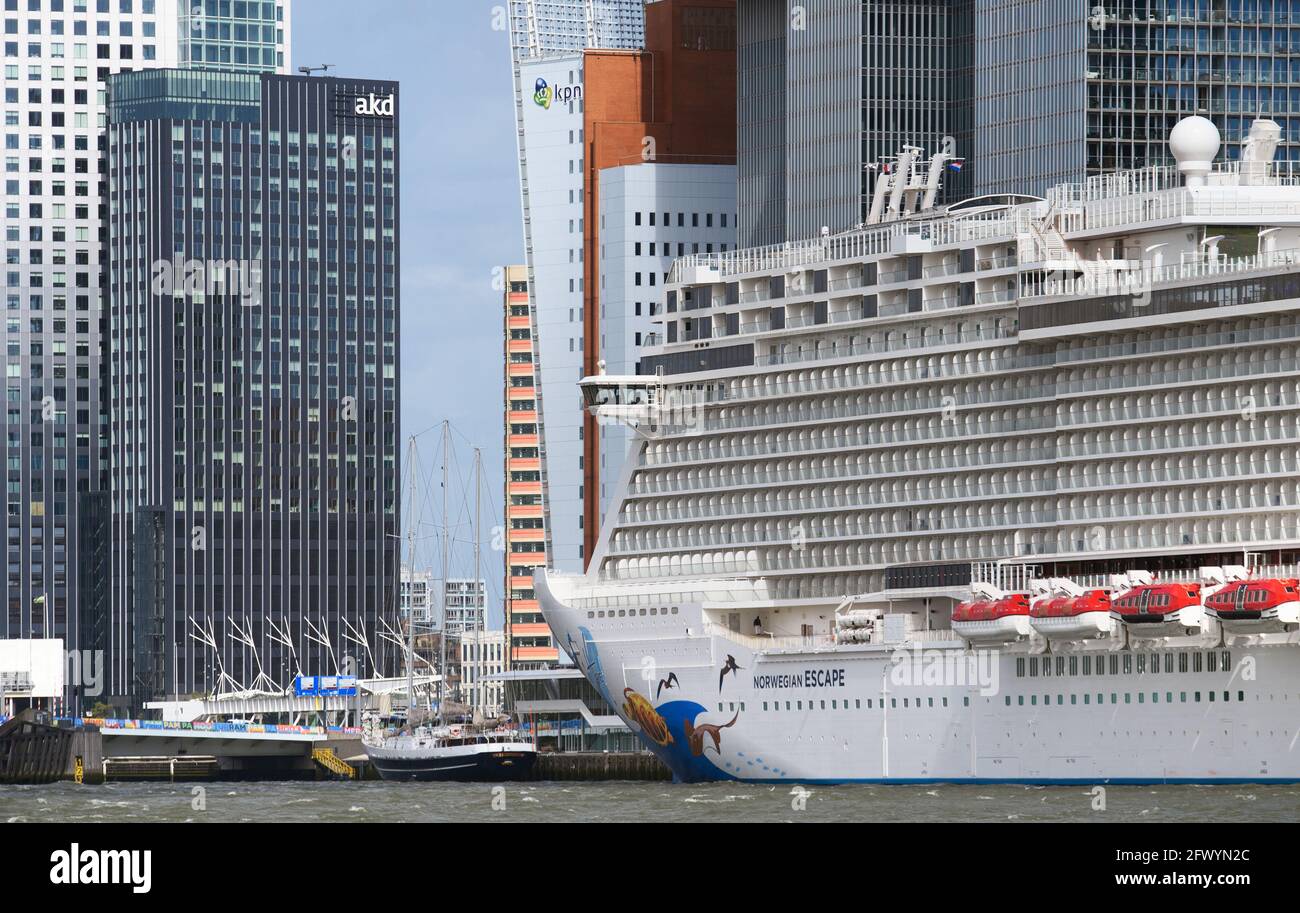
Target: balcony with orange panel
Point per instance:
(534, 655)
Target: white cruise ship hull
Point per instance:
(902, 714)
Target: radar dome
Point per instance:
(1194, 142)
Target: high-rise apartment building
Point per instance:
(418, 597)
(56, 57)
(223, 35)
(527, 635)
(548, 38)
(482, 660)
(465, 605)
(546, 28)
(253, 312)
(659, 183)
(1031, 93)
(1103, 83)
(829, 88)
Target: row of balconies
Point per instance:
(1017, 457)
(1254, 530)
(813, 501)
(851, 528)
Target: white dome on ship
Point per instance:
(1195, 143)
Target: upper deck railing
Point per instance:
(847, 246)
(1138, 282)
(1144, 195)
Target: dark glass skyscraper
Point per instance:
(252, 363)
(1033, 93)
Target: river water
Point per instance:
(638, 802)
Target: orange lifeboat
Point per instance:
(992, 621)
(1257, 606)
(1161, 609)
(1064, 616)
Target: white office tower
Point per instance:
(548, 38)
(1003, 492)
(650, 214)
(56, 57)
(546, 28)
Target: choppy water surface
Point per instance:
(633, 802)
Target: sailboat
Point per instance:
(442, 749)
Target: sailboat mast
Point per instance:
(481, 609)
(410, 609)
(442, 641)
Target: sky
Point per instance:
(460, 222)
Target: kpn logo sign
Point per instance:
(544, 94)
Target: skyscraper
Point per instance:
(548, 37)
(659, 183)
(547, 28)
(825, 90)
(1030, 93)
(528, 637)
(57, 55)
(252, 347)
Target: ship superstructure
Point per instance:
(1037, 434)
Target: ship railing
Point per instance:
(917, 463)
(912, 344)
(912, 404)
(847, 283)
(992, 263)
(1081, 541)
(861, 440)
(761, 505)
(650, 600)
(643, 543)
(807, 504)
(1189, 375)
(1178, 343)
(851, 379)
(1261, 469)
(1258, 572)
(1139, 281)
(765, 642)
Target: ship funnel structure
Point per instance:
(1195, 143)
(1257, 151)
(909, 186)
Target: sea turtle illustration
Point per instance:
(652, 724)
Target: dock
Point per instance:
(603, 766)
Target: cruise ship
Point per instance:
(1003, 491)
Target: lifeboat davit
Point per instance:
(1161, 609)
(992, 621)
(1256, 606)
(1064, 616)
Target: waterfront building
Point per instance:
(525, 512)
(549, 90)
(579, 115)
(564, 711)
(252, 364)
(466, 603)
(482, 659)
(418, 597)
(548, 28)
(659, 182)
(57, 57)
